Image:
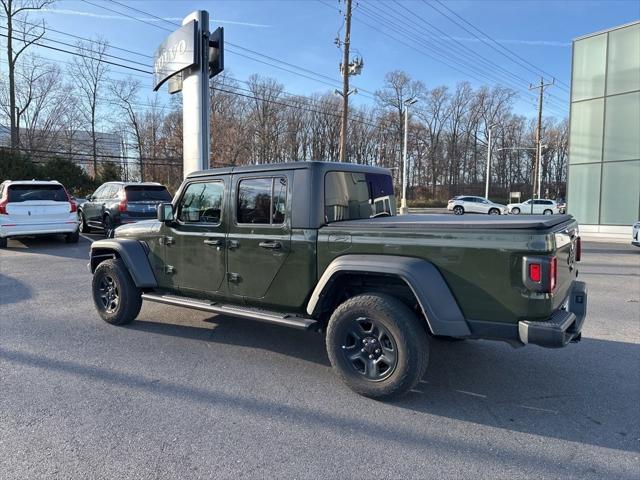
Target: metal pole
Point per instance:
(403, 204)
(345, 84)
(486, 186)
(539, 168)
(195, 101)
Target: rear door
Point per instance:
(38, 203)
(93, 209)
(259, 238)
(143, 200)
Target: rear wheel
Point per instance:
(84, 228)
(494, 211)
(109, 226)
(115, 296)
(3, 242)
(548, 212)
(377, 345)
(458, 210)
(72, 237)
(515, 211)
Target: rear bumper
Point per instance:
(564, 326)
(44, 228)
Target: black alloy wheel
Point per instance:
(370, 349)
(108, 293)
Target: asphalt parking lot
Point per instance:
(181, 394)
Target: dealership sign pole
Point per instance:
(187, 59)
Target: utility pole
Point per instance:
(345, 83)
(538, 164)
(488, 174)
(403, 202)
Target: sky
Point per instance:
(429, 40)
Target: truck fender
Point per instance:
(132, 253)
(423, 278)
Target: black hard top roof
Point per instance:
(271, 167)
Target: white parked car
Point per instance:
(30, 207)
(540, 207)
(635, 234)
(467, 204)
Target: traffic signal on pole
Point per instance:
(216, 52)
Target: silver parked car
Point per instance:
(468, 204)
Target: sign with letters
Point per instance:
(178, 52)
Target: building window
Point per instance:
(622, 124)
(620, 193)
(586, 131)
(623, 70)
(589, 61)
(584, 191)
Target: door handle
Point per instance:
(213, 243)
(270, 245)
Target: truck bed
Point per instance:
(506, 222)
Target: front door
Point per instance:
(259, 233)
(195, 242)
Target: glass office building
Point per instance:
(603, 190)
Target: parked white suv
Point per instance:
(30, 207)
(467, 204)
(540, 207)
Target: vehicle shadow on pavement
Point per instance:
(13, 291)
(51, 245)
(308, 346)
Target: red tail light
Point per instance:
(122, 206)
(553, 274)
(73, 206)
(3, 203)
(578, 249)
(535, 272)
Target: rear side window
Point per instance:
(25, 193)
(357, 195)
(146, 193)
(262, 201)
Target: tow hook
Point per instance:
(577, 338)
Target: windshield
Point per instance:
(25, 193)
(355, 195)
(147, 194)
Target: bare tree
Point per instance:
(90, 72)
(25, 36)
(125, 93)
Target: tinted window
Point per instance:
(24, 193)
(262, 200)
(139, 193)
(201, 203)
(354, 195)
(98, 193)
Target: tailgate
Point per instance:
(38, 211)
(567, 254)
(142, 209)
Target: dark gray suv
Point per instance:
(117, 203)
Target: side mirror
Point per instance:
(165, 212)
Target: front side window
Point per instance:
(262, 201)
(356, 195)
(202, 203)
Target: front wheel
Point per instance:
(458, 210)
(377, 345)
(515, 211)
(3, 242)
(494, 211)
(115, 296)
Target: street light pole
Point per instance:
(403, 203)
(486, 185)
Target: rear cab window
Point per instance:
(147, 193)
(24, 193)
(357, 195)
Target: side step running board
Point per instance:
(236, 311)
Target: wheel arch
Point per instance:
(132, 252)
(421, 279)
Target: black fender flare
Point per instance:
(423, 278)
(132, 253)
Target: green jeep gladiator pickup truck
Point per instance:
(318, 246)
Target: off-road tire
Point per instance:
(3, 242)
(129, 296)
(458, 210)
(409, 334)
(72, 237)
(84, 228)
(515, 211)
